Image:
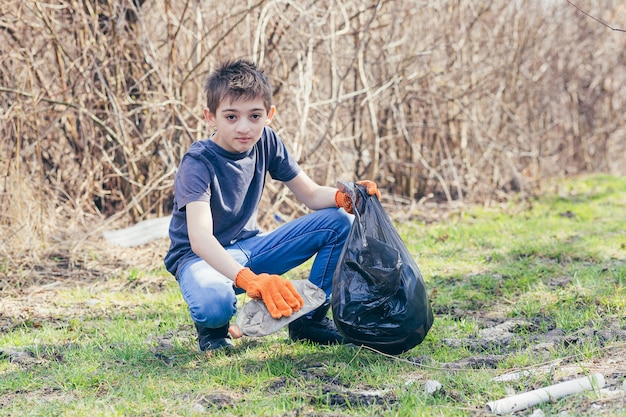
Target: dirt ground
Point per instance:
(31, 300)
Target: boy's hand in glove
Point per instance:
(279, 295)
(343, 199)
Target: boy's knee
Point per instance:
(215, 310)
(343, 222)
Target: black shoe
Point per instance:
(317, 329)
(213, 339)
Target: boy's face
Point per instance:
(239, 123)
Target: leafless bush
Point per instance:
(445, 100)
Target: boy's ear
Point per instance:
(209, 116)
(270, 115)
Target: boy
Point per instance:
(217, 249)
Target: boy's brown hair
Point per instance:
(237, 80)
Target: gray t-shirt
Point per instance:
(233, 185)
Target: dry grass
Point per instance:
(436, 101)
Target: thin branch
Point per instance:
(596, 19)
(84, 110)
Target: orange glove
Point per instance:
(343, 200)
(279, 295)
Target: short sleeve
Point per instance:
(192, 182)
(282, 166)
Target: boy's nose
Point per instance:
(243, 127)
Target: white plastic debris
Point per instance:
(513, 376)
(432, 386)
(528, 399)
(143, 232)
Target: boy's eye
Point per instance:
(231, 117)
(255, 116)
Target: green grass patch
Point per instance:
(520, 287)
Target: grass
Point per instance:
(552, 269)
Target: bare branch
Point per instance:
(596, 19)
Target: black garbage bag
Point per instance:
(378, 296)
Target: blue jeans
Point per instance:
(211, 296)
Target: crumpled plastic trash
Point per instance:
(255, 320)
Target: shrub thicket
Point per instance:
(447, 100)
